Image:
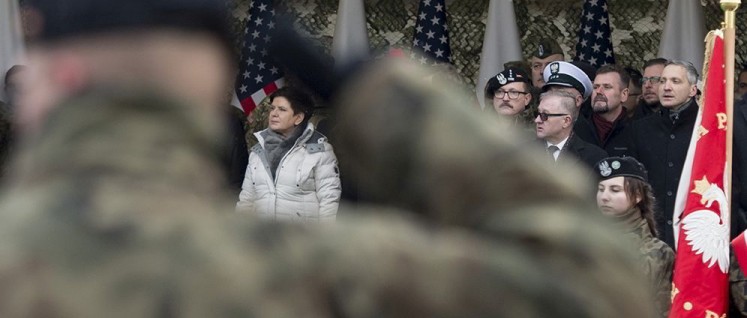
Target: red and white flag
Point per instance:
(701, 214)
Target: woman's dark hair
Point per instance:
(300, 101)
(636, 188)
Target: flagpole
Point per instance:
(730, 7)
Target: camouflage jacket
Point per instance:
(456, 168)
(111, 211)
(657, 262)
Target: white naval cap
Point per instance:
(566, 74)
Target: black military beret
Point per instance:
(621, 166)
(547, 47)
(53, 20)
(509, 75)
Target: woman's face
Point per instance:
(281, 119)
(611, 197)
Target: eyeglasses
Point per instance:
(652, 79)
(511, 94)
(545, 116)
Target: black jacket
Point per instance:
(618, 142)
(644, 110)
(578, 151)
(661, 145)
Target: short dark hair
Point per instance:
(635, 76)
(655, 61)
(300, 101)
(613, 68)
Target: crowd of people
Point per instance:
(123, 196)
(643, 122)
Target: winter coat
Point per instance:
(578, 151)
(616, 144)
(660, 144)
(307, 183)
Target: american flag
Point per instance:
(594, 38)
(257, 76)
(431, 33)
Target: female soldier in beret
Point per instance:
(625, 195)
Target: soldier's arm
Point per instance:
(738, 286)
(662, 269)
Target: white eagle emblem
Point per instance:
(604, 169)
(707, 232)
(501, 79)
(554, 68)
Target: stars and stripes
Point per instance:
(594, 37)
(431, 39)
(257, 76)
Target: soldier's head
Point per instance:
(180, 49)
(14, 83)
(557, 112)
(610, 91)
(742, 82)
(509, 92)
(623, 185)
(569, 78)
(548, 50)
(290, 107)
(650, 81)
(677, 84)
(634, 89)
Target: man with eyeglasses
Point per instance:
(635, 90)
(508, 93)
(548, 51)
(649, 100)
(554, 127)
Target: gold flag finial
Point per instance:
(730, 7)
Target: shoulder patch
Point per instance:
(315, 147)
(316, 138)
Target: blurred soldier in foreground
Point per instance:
(113, 210)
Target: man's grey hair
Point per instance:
(692, 72)
(567, 101)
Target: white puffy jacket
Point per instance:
(307, 187)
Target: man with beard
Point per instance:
(649, 101)
(606, 128)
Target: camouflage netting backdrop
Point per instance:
(636, 26)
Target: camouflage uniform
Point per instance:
(737, 288)
(420, 151)
(656, 260)
(111, 212)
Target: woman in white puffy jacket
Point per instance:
(292, 173)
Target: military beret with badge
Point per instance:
(621, 167)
